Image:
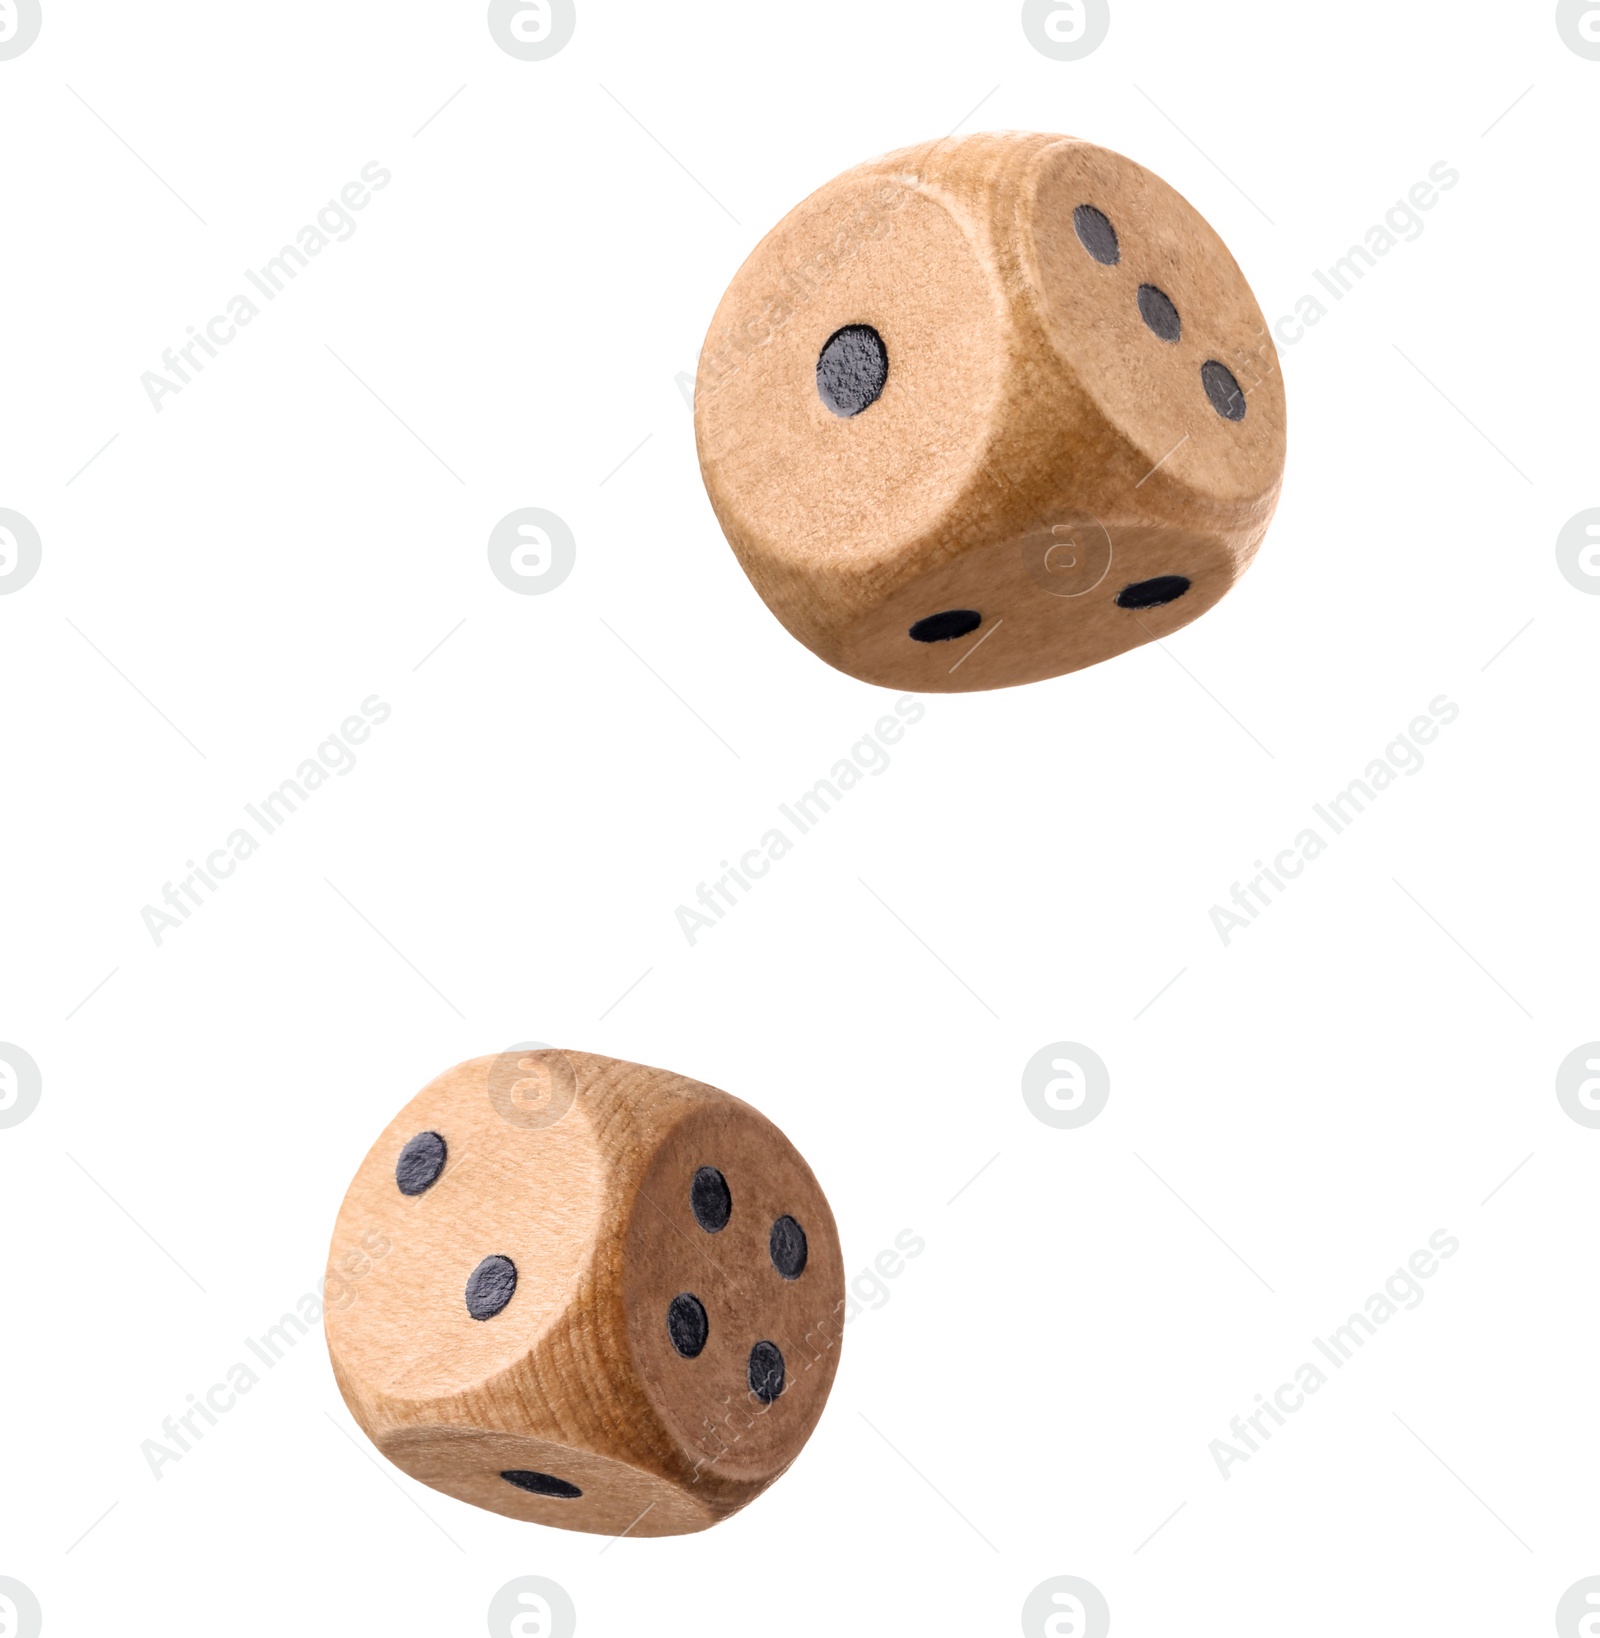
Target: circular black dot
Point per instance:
(709, 1200)
(940, 628)
(420, 1163)
(687, 1324)
(1222, 388)
(491, 1286)
(1096, 235)
(541, 1484)
(766, 1372)
(1156, 309)
(851, 369)
(786, 1245)
(1151, 594)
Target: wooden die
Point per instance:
(611, 1299)
(989, 410)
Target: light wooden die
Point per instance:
(989, 410)
(608, 1297)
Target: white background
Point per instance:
(1288, 1122)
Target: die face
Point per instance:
(490, 1224)
(1045, 601)
(1140, 330)
(734, 1290)
(796, 484)
(534, 1480)
(1079, 439)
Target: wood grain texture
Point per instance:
(578, 1169)
(1037, 446)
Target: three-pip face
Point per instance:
(609, 1297)
(988, 411)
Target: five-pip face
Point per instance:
(988, 411)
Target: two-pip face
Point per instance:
(988, 411)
